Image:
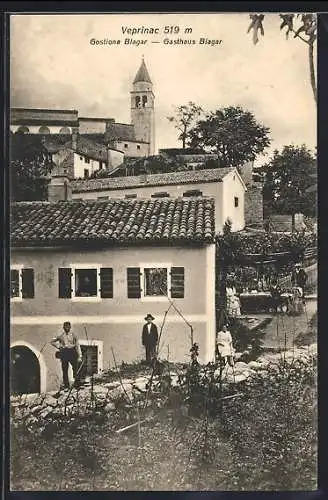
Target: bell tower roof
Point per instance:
(142, 74)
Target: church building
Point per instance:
(134, 139)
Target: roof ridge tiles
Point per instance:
(41, 223)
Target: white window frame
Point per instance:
(75, 267)
(19, 268)
(100, 349)
(154, 265)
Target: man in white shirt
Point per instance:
(69, 352)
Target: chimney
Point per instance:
(59, 187)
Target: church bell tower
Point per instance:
(142, 108)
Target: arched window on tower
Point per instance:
(144, 101)
(138, 101)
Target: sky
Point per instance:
(54, 65)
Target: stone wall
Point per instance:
(254, 205)
(283, 222)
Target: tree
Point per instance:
(289, 178)
(185, 117)
(30, 167)
(233, 134)
(302, 26)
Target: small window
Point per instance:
(23, 130)
(86, 173)
(103, 198)
(236, 201)
(138, 101)
(148, 282)
(44, 130)
(144, 101)
(81, 158)
(85, 282)
(22, 283)
(193, 192)
(92, 282)
(87, 160)
(100, 165)
(126, 146)
(138, 146)
(160, 195)
(65, 130)
(130, 196)
(155, 282)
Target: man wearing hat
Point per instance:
(150, 338)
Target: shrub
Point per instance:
(272, 429)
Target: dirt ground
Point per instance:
(284, 330)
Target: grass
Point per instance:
(263, 440)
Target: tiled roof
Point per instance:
(91, 149)
(169, 178)
(112, 222)
(56, 142)
(120, 132)
(26, 116)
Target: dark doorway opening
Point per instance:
(24, 371)
(90, 364)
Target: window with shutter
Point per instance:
(177, 282)
(27, 283)
(133, 279)
(14, 283)
(64, 282)
(106, 283)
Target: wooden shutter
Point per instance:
(133, 277)
(106, 283)
(64, 283)
(28, 283)
(177, 282)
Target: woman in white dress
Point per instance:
(233, 302)
(224, 347)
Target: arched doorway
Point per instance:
(25, 373)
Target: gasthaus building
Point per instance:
(103, 265)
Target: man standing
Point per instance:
(150, 338)
(69, 352)
(299, 277)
